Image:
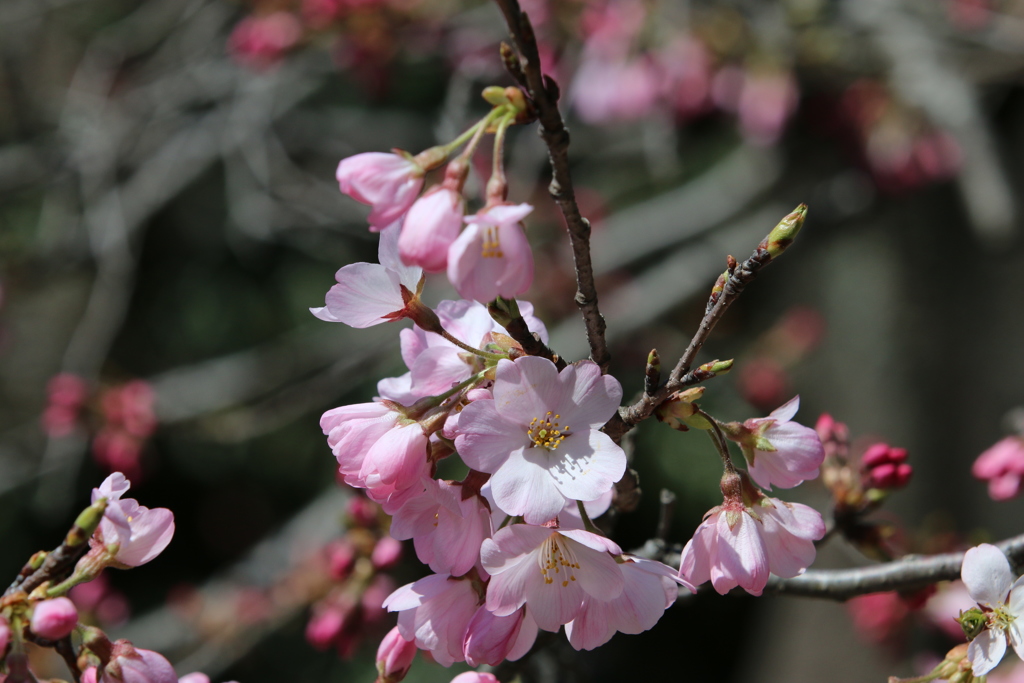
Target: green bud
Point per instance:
(718, 367)
(495, 94)
(783, 234)
(86, 523)
(36, 561)
(504, 311)
(973, 622)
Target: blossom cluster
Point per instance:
(512, 546)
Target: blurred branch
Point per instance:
(544, 93)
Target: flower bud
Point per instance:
(680, 412)
(783, 234)
(325, 626)
(494, 94)
(131, 665)
(386, 553)
(54, 619)
(883, 467)
(475, 677)
(394, 657)
(362, 511)
(5, 636)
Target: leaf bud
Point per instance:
(783, 234)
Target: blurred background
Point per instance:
(168, 214)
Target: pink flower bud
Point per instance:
(394, 657)
(387, 182)
(324, 627)
(362, 511)
(90, 675)
(5, 636)
(475, 677)
(1002, 466)
(340, 558)
(196, 677)
(884, 468)
(54, 619)
(373, 598)
(386, 553)
(131, 665)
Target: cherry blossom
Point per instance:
(389, 183)
(492, 256)
(129, 664)
(139, 533)
(434, 612)
(447, 528)
(375, 445)
(368, 294)
(540, 437)
(986, 573)
(1002, 466)
(778, 452)
(649, 588)
(432, 224)
(748, 537)
(550, 571)
(475, 677)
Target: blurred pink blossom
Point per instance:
(261, 41)
(1002, 466)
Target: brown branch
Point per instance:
(910, 573)
(740, 275)
(544, 93)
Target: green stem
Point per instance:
(466, 347)
(476, 133)
(718, 438)
(588, 525)
(497, 186)
(438, 400)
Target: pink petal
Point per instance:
(595, 397)
(524, 486)
(364, 295)
(437, 369)
(486, 438)
(742, 557)
(151, 532)
(787, 411)
(527, 388)
(388, 256)
(583, 469)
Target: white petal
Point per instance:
(986, 573)
(986, 651)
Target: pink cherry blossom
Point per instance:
(649, 588)
(1002, 466)
(779, 452)
(739, 545)
(446, 528)
(434, 612)
(389, 183)
(540, 437)
(550, 571)
(989, 580)
(432, 224)
(475, 677)
(765, 103)
(435, 364)
(490, 639)
(615, 89)
(386, 553)
(369, 293)
(394, 657)
(375, 446)
(492, 256)
(140, 533)
(54, 619)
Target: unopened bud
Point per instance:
(54, 619)
(717, 367)
(680, 413)
(394, 657)
(495, 94)
(783, 234)
(86, 523)
(516, 98)
(504, 311)
(36, 561)
(652, 374)
(386, 553)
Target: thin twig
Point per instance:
(544, 93)
(740, 275)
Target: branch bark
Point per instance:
(910, 573)
(544, 94)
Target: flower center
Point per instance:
(554, 558)
(492, 245)
(547, 433)
(1001, 618)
